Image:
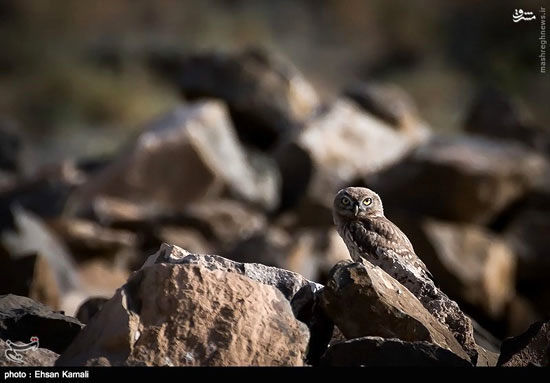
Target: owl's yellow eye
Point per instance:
(367, 201)
(345, 201)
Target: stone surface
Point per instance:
(189, 314)
(467, 261)
(268, 98)
(22, 318)
(36, 357)
(337, 146)
(531, 348)
(363, 300)
(193, 142)
(465, 179)
(373, 351)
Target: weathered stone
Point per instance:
(469, 263)
(34, 357)
(334, 148)
(375, 351)
(22, 318)
(189, 314)
(363, 300)
(464, 179)
(30, 276)
(531, 348)
(190, 154)
(391, 104)
(268, 98)
(89, 308)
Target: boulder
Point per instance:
(531, 348)
(22, 318)
(370, 351)
(267, 97)
(363, 300)
(191, 313)
(337, 146)
(464, 179)
(40, 357)
(187, 155)
(476, 267)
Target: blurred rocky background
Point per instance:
(226, 127)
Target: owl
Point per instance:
(369, 235)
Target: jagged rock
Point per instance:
(30, 276)
(391, 104)
(87, 239)
(36, 357)
(268, 98)
(375, 351)
(494, 114)
(531, 348)
(22, 318)
(464, 179)
(183, 157)
(89, 308)
(191, 314)
(334, 148)
(363, 300)
(469, 263)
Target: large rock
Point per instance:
(192, 153)
(334, 148)
(41, 357)
(471, 264)
(22, 318)
(531, 348)
(462, 179)
(192, 313)
(375, 351)
(363, 300)
(268, 99)
(391, 104)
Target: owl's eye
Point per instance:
(345, 201)
(367, 201)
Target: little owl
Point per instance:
(369, 235)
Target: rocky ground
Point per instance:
(208, 240)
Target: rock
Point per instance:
(286, 281)
(87, 239)
(89, 308)
(30, 276)
(363, 300)
(268, 98)
(189, 314)
(36, 357)
(496, 115)
(22, 318)
(336, 147)
(373, 351)
(529, 349)
(190, 154)
(469, 263)
(462, 179)
(33, 236)
(391, 104)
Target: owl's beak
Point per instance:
(356, 210)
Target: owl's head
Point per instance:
(355, 203)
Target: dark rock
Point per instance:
(363, 300)
(462, 179)
(89, 308)
(41, 357)
(22, 318)
(373, 351)
(268, 99)
(531, 348)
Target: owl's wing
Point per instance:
(383, 234)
